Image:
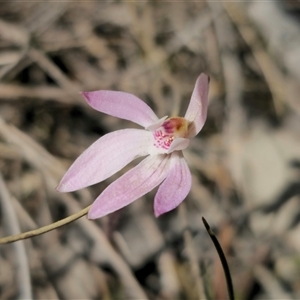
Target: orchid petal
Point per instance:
(197, 109)
(121, 105)
(106, 156)
(140, 180)
(176, 186)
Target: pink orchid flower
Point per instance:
(161, 140)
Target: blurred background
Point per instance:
(245, 162)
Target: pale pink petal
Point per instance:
(132, 185)
(121, 105)
(178, 144)
(197, 109)
(176, 186)
(105, 157)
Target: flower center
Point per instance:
(172, 128)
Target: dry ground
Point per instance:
(245, 163)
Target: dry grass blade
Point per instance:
(15, 92)
(12, 227)
(276, 80)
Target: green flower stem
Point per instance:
(44, 229)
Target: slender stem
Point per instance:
(44, 229)
(222, 258)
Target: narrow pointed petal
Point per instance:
(176, 186)
(105, 157)
(140, 180)
(197, 109)
(121, 105)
